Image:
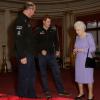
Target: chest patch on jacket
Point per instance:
(42, 32)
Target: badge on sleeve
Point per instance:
(19, 33)
(19, 28)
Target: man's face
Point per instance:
(32, 11)
(47, 23)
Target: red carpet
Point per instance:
(6, 97)
(17, 98)
(8, 83)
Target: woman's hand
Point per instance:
(80, 50)
(75, 51)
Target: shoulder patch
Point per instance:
(54, 28)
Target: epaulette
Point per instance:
(38, 28)
(53, 28)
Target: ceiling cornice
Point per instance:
(76, 7)
(45, 1)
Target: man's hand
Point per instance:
(44, 52)
(57, 53)
(23, 60)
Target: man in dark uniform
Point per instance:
(48, 50)
(25, 51)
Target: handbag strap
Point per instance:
(87, 52)
(88, 44)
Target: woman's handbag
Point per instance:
(90, 62)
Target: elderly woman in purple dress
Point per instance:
(84, 41)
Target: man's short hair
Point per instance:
(28, 4)
(46, 17)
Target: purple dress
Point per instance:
(84, 75)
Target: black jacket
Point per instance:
(47, 40)
(24, 40)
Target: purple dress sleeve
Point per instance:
(91, 43)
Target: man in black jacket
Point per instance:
(48, 49)
(25, 51)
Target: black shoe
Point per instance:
(36, 97)
(39, 97)
(80, 97)
(64, 93)
(48, 94)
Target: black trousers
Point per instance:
(26, 78)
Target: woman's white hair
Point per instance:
(80, 24)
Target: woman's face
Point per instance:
(79, 31)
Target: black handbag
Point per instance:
(90, 62)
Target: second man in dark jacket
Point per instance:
(48, 49)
